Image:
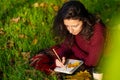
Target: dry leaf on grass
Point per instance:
(15, 19)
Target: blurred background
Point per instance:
(25, 28)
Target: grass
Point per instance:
(25, 28)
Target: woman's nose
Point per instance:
(70, 29)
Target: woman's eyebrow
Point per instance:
(73, 25)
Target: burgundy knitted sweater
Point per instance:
(88, 50)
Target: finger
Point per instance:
(59, 63)
(63, 60)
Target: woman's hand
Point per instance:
(59, 63)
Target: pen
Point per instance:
(57, 55)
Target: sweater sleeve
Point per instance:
(93, 47)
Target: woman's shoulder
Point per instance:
(99, 28)
(99, 25)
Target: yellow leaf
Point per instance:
(1, 31)
(25, 55)
(10, 44)
(36, 4)
(43, 5)
(34, 41)
(22, 36)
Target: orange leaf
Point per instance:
(55, 8)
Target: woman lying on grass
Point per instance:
(82, 35)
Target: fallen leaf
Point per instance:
(25, 55)
(10, 44)
(22, 36)
(15, 19)
(36, 4)
(1, 31)
(43, 5)
(56, 8)
(34, 42)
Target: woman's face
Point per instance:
(73, 26)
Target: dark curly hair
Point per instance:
(73, 10)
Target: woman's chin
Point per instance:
(74, 33)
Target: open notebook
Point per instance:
(70, 66)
